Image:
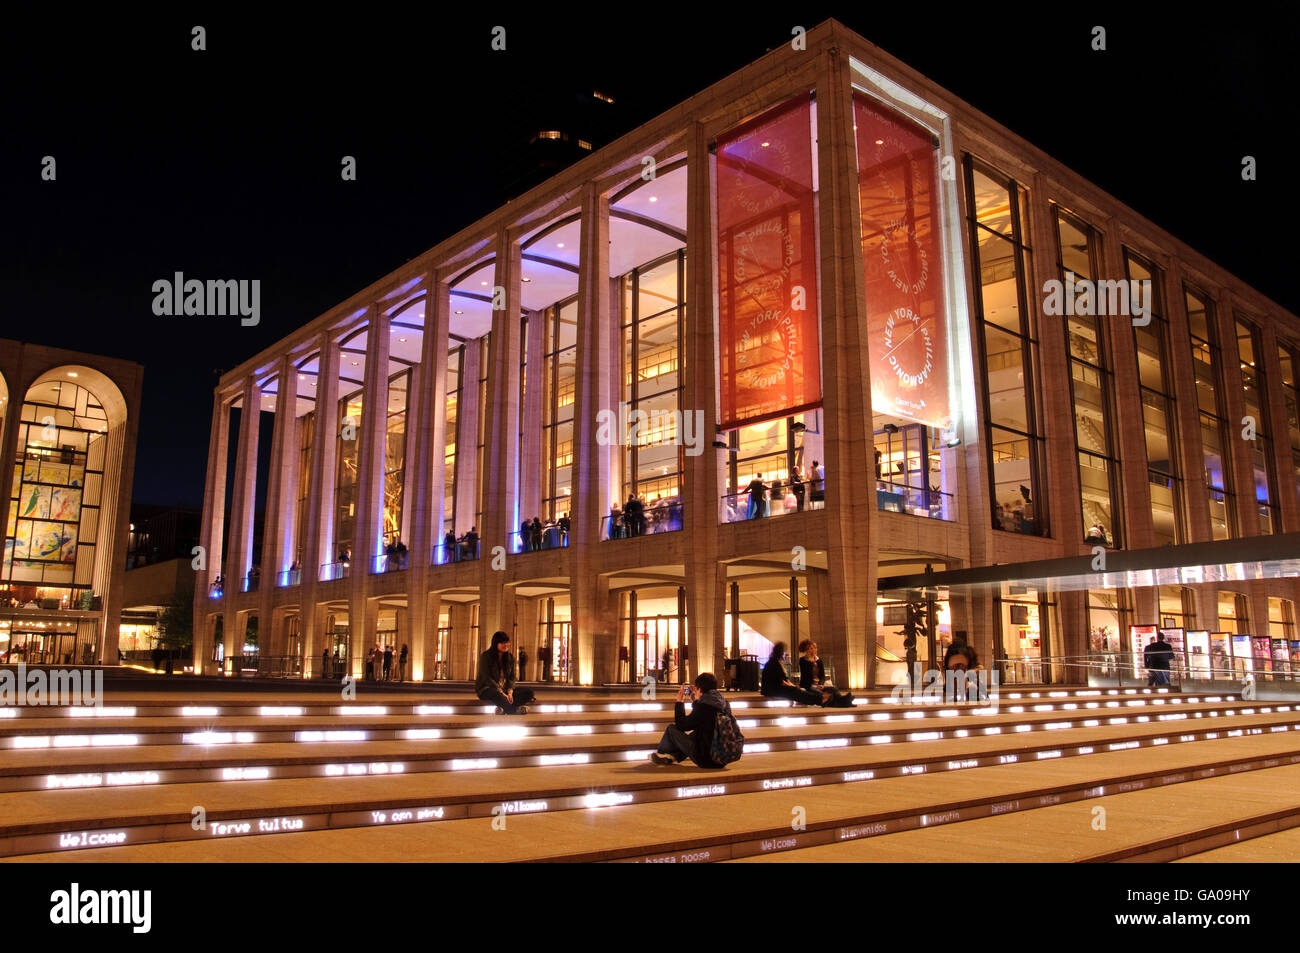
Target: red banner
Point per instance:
(898, 192)
(769, 364)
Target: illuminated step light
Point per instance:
(647, 726)
(219, 737)
(280, 711)
(1016, 709)
(421, 734)
(914, 714)
(608, 799)
(88, 712)
(744, 704)
(875, 740)
(312, 737)
(1043, 755)
(1055, 725)
(1024, 727)
(22, 742)
(1160, 741)
(364, 710)
(1044, 708)
(961, 733)
(786, 722)
(822, 743)
(880, 716)
(200, 711)
(1087, 750)
(435, 710)
(949, 713)
(993, 731)
(924, 736)
(758, 748)
(89, 741)
(1091, 723)
(1069, 707)
(245, 774)
(627, 707)
(966, 763)
(1058, 694)
(573, 730)
(1117, 721)
(859, 775)
(560, 709)
(833, 719)
(500, 732)
(747, 722)
(642, 755)
(8, 713)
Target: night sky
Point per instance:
(225, 163)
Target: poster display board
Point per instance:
(1198, 654)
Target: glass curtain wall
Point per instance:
(1215, 433)
(652, 315)
(54, 499)
(455, 359)
(761, 465)
(1288, 361)
(559, 370)
(1159, 414)
(345, 483)
(1092, 386)
(395, 460)
(1013, 435)
(1260, 449)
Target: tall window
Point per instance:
(485, 349)
(54, 497)
(1092, 386)
(1159, 415)
(1178, 603)
(306, 429)
(1260, 449)
(395, 456)
(653, 309)
(560, 383)
(454, 358)
(1214, 422)
(1288, 361)
(1010, 351)
(345, 481)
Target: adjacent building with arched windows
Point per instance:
(67, 448)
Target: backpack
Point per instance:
(728, 743)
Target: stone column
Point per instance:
(592, 459)
(500, 478)
(372, 432)
(462, 661)
(211, 530)
(240, 558)
(424, 477)
(852, 552)
(318, 534)
(702, 487)
(277, 538)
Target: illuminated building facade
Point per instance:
(742, 376)
(67, 446)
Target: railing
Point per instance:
(390, 563)
(217, 590)
(665, 516)
(290, 577)
(737, 507)
(914, 501)
(252, 581)
(332, 571)
(1126, 669)
(462, 551)
(550, 536)
(264, 666)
